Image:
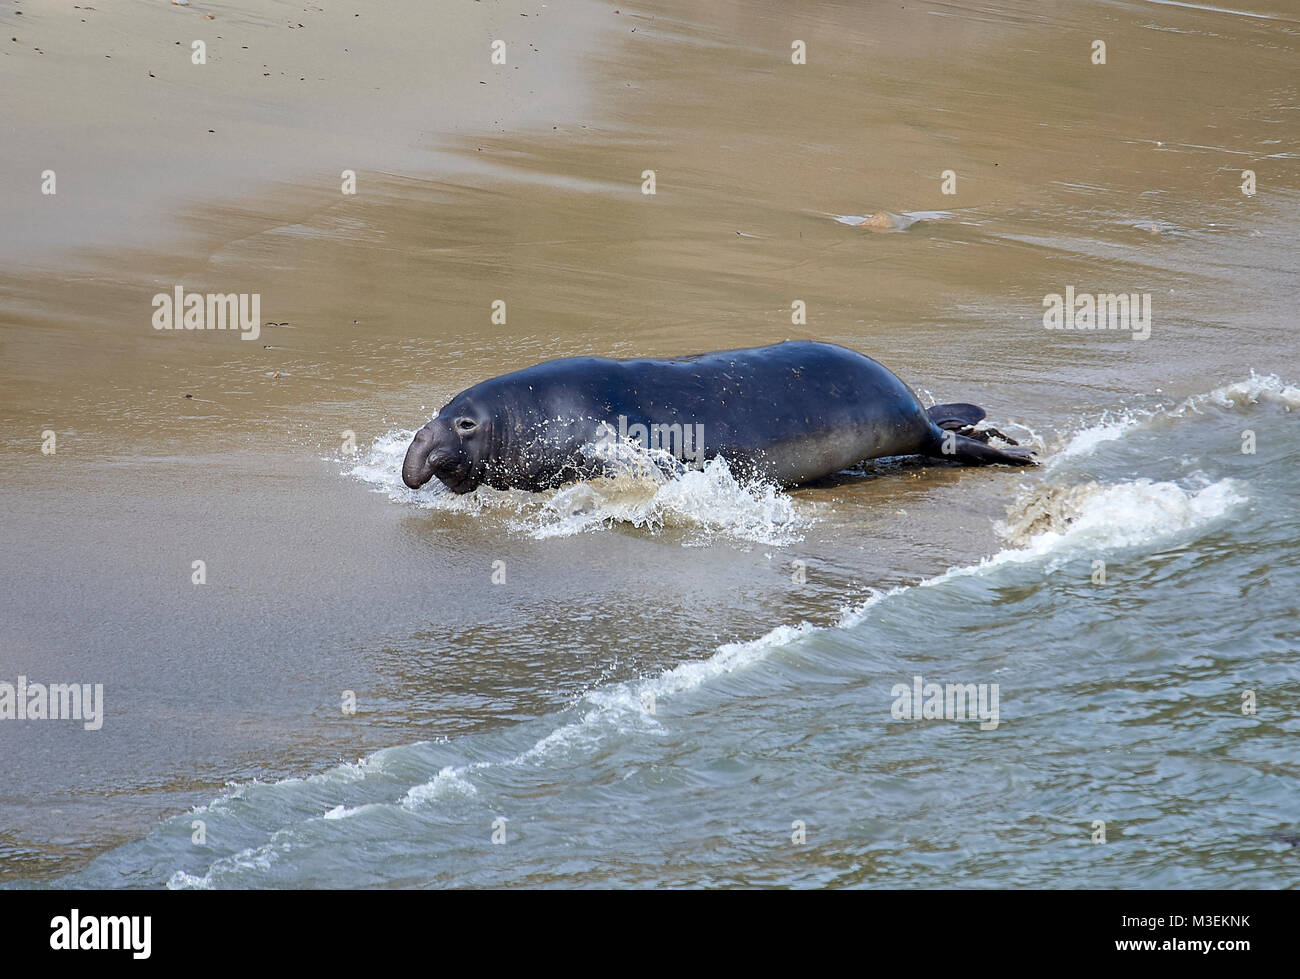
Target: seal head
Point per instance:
(452, 446)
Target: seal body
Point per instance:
(790, 413)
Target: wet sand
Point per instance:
(1117, 177)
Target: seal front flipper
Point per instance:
(947, 443)
(963, 418)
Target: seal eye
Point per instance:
(466, 425)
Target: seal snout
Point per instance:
(417, 467)
(437, 450)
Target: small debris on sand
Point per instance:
(885, 221)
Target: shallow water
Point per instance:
(1124, 706)
(530, 701)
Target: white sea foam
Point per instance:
(1050, 524)
(626, 708)
(181, 881)
(348, 772)
(1049, 521)
(448, 782)
(1101, 515)
(1086, 440)
(1257, 389)
(1054, 519)
(348, 812)
(712, 500)
(631, 706)
(647, 493)
(255, 859)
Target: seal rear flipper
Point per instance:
(948, 444)
(956, 416)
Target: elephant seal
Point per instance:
(790, 413)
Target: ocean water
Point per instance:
(1139, 622)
